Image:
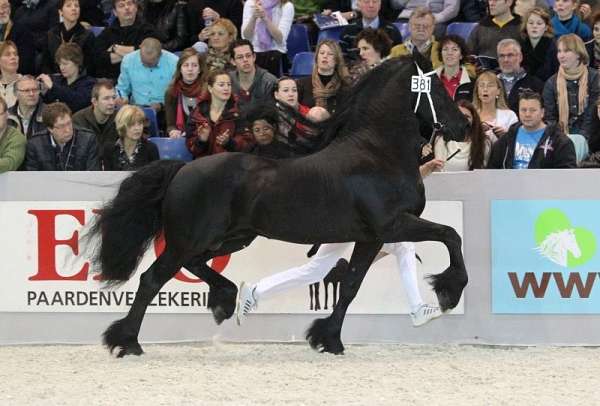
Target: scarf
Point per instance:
(216, 60)
(31, 3)
(6, 30)
(320, 92)
(181, 89)
(571, 26)
(510, 80)
(262, 32)
(126, 163)
(563, 96)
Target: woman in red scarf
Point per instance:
(215, 125)
(185, 90)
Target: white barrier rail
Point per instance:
(517, 294)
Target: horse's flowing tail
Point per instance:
(128, 223)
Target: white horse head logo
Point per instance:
(556, 246)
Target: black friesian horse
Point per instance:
(363, 186)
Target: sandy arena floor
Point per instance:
(292, 374)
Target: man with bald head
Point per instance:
(145, 75)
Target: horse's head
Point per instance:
(570, 242)
(435, 107)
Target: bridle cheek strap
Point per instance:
(424, 75)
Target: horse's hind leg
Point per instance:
(449, 284)
(222, 294)
(123, 333)
(325, 334)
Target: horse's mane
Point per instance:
(353, 100)
(551, 246)
(370, 84)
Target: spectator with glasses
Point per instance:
(62, 147)
(26, 114)
(512, 75)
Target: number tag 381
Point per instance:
(420, 84)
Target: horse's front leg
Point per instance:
(325, 334)
(449, 284)
(123, 333)
(222, 292)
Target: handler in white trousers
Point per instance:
(326, 258)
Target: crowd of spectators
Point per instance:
(79, 78)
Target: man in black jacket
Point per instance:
(532, 144)
(62, 148)
(514, 78)
(369, 17)
(123, 37)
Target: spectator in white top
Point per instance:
(488, 98)
(267, 24)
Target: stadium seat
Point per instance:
(334, 33)
(96, 30)
(581, 146)
(151, 116)
(297, 40)
(461, 29)
(302, 64)
(172, 148)
(404, 29)
(178, 53)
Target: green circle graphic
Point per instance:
(555, 220)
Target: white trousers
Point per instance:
(327, 256)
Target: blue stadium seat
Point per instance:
(151, 116)
(297, 40)
(302, 64)
(172, 148)
(334, 33)
(461, 29)
(178, 53)
(404, 29)
(96, 30)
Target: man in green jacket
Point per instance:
(12, 143)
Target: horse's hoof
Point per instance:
(222, 301)
(219, 314)
(132, 349)
(323, 338)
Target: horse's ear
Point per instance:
(421, 61)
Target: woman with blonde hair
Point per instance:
(329, 77)
(490, 102)
(267, 23)
(570, 95)
(538, 44)
(9, 63)
(132, 150)
(217, 40)
(184, 91)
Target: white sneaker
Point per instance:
(425, 314)
(246, 302)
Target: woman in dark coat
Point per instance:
(70, 30)
(538, 44)
(72, 86)
(132, 150)
(215, 125)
